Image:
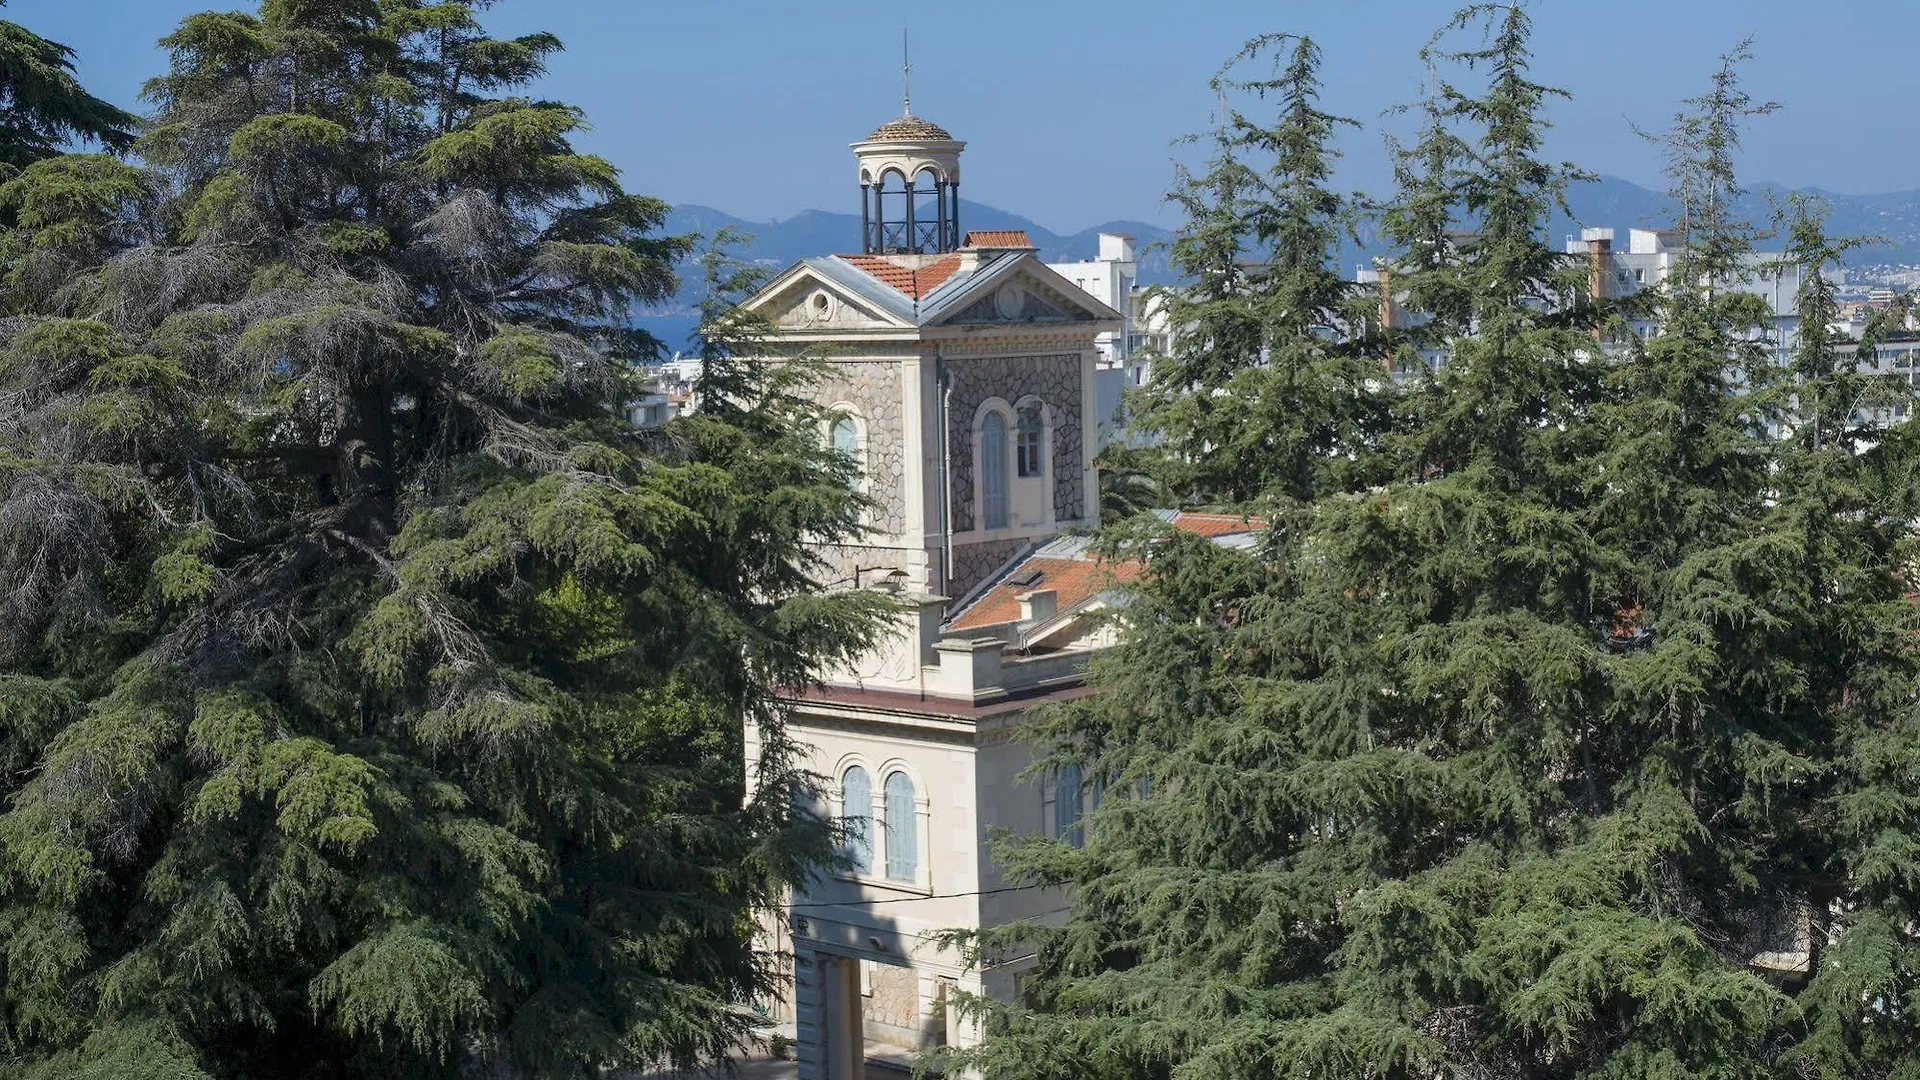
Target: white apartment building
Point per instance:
(1648, 261)
(670, 392)
(1613, 273)
(1110, 277)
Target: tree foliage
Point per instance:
(1271, 372)
(43, 107)
(1579, 745)
(371, 692)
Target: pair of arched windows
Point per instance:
(1028, 450)
(898, 819)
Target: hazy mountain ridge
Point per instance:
(824, 232)
(777, 245)
(1608, 201)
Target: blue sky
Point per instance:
(1070, 106)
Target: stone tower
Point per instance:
(961, 375)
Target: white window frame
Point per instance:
(841, 413)
(1038, 432)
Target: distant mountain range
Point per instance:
(779, 244)
(822, 232)
(1609, 201)
(1894, 216)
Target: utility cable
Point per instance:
(911, 899)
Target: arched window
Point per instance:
(993, 471)
(903, 835)
(1031, 438)
(846, 440)
(1066, 804)
(856, 817)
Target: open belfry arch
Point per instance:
(906, 163)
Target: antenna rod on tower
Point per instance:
(906, 76)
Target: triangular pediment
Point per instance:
(1027, 292)
(805, 299)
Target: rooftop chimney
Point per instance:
(1038, 605)
(1599, 261)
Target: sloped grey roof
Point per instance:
(950, 284)
(959, 289)
(862, 284)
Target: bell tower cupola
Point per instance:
(909, 188)
(909, 185)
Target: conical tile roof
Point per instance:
(908, 129)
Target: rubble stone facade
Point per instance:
(1059, 382)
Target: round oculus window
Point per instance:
(1009, 301)
(820, 307)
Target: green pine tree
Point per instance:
(1272, 376)
(1840, 770)
(371, 694)
(1584, 749)
(1420, 222)
(1368, 842)
(43, 107)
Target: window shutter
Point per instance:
(846, 441)
(1049, 809)
(1066, 804)
(856, 817)
(993, 471)
(903, 835)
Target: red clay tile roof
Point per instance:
(914, 283)
(1216, 524)
(1073, 581)
(908, 129)
(997, 238)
